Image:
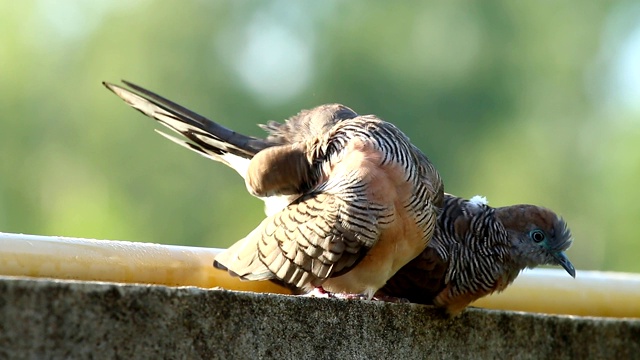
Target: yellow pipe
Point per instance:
(551, 291)
(118, 261)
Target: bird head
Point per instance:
(538, 236)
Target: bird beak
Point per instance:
(563, 261)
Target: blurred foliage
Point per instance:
(524, 102)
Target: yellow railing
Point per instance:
(551, 291)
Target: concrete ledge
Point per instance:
(71, 319)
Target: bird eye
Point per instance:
(537, 235)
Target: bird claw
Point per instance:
(319, 292)
(344, 296)
(391, 299)
(383, 298)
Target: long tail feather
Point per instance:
(206, 137)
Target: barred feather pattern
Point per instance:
(477, 250)
(485, 245)
(396, 148)
(319, 246)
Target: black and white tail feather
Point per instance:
(207, 138)
(204, 136)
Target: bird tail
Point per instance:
(203, 135)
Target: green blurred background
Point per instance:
(523, 102)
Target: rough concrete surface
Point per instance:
(52, 319)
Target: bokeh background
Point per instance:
(523, 102)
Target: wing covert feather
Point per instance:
(314, 238)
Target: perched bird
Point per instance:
(349, 199)
(477, 249)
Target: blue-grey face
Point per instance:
(552, 245)
(538, 235)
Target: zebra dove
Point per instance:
(477, 249)
(349, 199)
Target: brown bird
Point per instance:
(349, 199)
(477, 249)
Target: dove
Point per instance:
(349, 199)
(477, 250)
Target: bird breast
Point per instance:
(402, 237)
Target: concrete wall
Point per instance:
(66, 319)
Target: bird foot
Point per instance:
(319, 292)
(391, 299)
(345, 296)
(383, 298)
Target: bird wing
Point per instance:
(319, 236)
